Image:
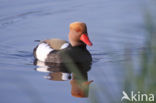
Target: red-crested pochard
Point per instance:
(60, 51)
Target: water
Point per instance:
(114, 27)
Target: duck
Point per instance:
(61, 51)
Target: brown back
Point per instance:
(55, 43)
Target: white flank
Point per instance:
(65, 76)
(42, 51)
(65, 45)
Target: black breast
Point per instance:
(77, 54)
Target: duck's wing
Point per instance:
(57, 44)
(48, 49)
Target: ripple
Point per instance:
(116, 56)
(5, 21)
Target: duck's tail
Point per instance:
(37, 40)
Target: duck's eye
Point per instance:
(78, 30)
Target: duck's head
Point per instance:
(78, 34)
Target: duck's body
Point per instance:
(61, 51)
(48, 50)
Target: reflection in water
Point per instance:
(78, 75)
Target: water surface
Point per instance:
(116, 28)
